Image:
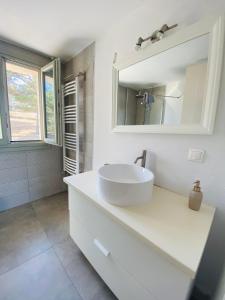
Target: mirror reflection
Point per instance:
(167, 89)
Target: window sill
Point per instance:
(23, 146)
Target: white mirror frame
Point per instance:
(215, 28)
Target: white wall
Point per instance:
(173, 170)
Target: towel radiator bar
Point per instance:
(73, 125)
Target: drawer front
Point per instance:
(121, 283)
(150, 268)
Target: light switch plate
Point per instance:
(196, 155)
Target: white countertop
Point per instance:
(166, 222)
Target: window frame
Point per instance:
(5, 143)
(55, 66)
(3, 108)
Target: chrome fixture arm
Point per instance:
(143, 158)
(156, 35)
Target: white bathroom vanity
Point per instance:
(146, 252)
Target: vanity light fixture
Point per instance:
(155, 37)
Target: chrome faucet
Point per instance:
(143, 159)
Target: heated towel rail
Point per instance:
(73, 125)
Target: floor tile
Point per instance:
(21, 238)
(68, 293)
(53, 214)
(58, 201)
(42, 277)
(38, 259)
(84, 277)
(67, 251)
(16, 214)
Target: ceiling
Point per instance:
(60, 28)
(167, 66)
(65, 27)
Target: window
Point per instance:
(52, 103)
(24, 102)
(30, 106)
(3, 124)
(49, 104)
(1, 136)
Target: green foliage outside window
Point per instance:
(22, 90)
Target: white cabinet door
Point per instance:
(124, 286)
(150, 267)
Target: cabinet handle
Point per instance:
(101, 247)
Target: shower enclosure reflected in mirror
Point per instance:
(173, 89)
(168, 88)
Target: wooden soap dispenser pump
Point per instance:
(195, 197)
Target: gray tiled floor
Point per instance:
(38, 259)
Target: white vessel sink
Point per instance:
(125, 185)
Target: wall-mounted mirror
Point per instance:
(172, 87)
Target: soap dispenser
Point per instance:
(195, 196)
